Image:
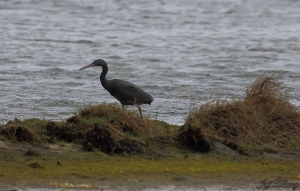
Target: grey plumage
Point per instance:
(125, 92)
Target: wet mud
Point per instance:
(238, 142)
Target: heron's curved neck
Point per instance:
(103, 79)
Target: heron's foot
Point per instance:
(140, 110)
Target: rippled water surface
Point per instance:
(172, 49)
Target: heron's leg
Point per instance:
(140, 110)
(123, 106)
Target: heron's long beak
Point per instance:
(88, 66)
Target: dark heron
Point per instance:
(126, 92)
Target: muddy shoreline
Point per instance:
(236, 143)
(65, 166)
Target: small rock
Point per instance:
(223, 149)
(180, 178)
(36, 165)
(32, 152)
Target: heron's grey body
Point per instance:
(125, 92)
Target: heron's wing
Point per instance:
(124, 85)
(129, 87)
(129, 93)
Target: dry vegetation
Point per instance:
(264, 120)
(46, 154)
(105, 127)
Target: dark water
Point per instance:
(173, 49)
(157, 188)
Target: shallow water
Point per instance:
(165, 188)
(174, 50)
(157, 188)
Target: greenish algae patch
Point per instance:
(263, 121)
(90, 167)
(223, 142)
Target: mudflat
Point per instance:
(66, 166)
(248, 143)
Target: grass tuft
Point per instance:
(264, 119)
(105, 127)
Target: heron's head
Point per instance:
(98, 62)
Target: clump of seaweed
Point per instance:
(265, 118)
(32, 152)
(123, 120)
(104, 127)
(30, 131)
(104, 139)
(113, 129)
(14, 130)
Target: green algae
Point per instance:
(87, 167)
(265, 120)
(123, 147)
(105, 127)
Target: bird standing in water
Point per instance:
(125, 92)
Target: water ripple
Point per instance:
(172, 49)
